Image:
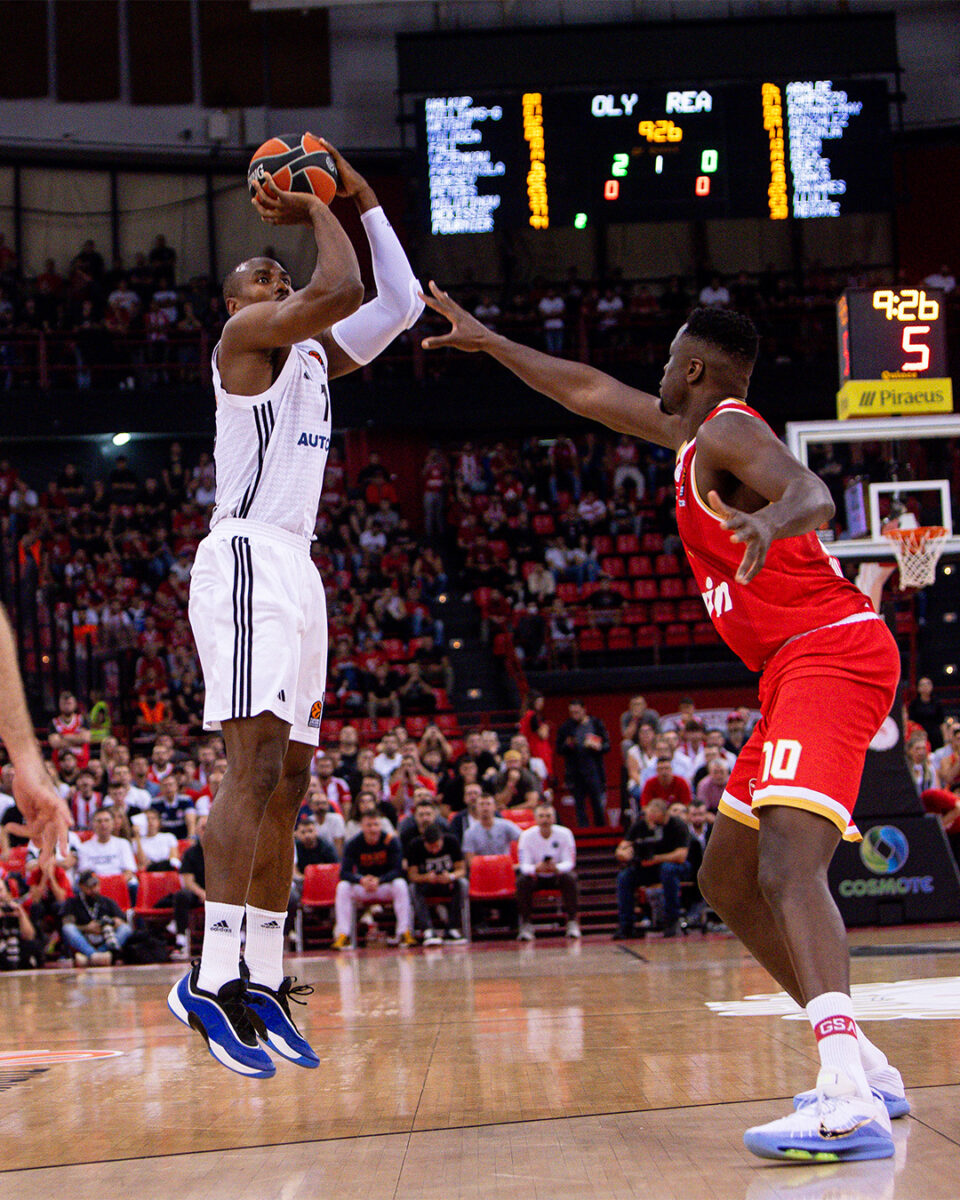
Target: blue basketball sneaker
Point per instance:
(842, 1126)
(280, 1031)
(886, 1084)
(225, 1022)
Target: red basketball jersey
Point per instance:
(798, 589)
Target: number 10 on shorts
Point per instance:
(780, 759)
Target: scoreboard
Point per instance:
(893, 352)
(786, 149)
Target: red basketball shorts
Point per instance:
(823, 697)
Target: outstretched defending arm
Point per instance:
(582, 389)
(360, 337)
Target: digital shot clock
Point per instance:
(892, 352)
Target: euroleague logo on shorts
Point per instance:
(316, 714)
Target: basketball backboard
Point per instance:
(877, 467)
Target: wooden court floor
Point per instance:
(591, 1070)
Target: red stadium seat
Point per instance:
(415, 726)
(619, 638)
(591, 641)
(394, 649)
(515, 852)
(663, 612)
(115, 888)
(647, 637)
(644, 589)
(500, 549)
(603, 544)
(651, 543)
(492, 877)
(690, 610)
(635, 614)
(677, 635)
(704, 634)
(520, 816)
(567, 592)
(622, 587)
(320, 885)
(627, 543)
(319, 891)
(639, 566)
(612, 566)
(183, 845)
(543, 525)
(443, 700)
(666, 564)
(448, 724)
(671, 588)
(691, 586)
(153, 886)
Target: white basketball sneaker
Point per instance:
(842, 1126)
(886, 1083)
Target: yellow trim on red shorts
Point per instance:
(848, 831)
(735, 815)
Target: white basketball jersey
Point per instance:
(271, 449)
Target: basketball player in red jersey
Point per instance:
(746, 512)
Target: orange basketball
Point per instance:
(297, 164)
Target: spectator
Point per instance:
(331, 784)
(106, 854)
(94, 927)
(437, 872)
(927, 712)
(736, 732)
(372, 870)
(536, 729)
(20, 947)
(416, 696)
(330, 825)
(547, 860)
(582, 741)
(191, 894)
(382, 694)
(309, 848)
(711, 788)
(654, 851)
(68, 731)
(467, 816)
(175, 808)
(409, 779)
(665, 785)
(156, 850)
(551, 309)
(948, 763)
(488, 834)
(715, 294)
(918, 764)
(424, 815)
(943, 278)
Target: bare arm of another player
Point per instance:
(334, 290)
(798, 501)
(582, 389)
(46, 815)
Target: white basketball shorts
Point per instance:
(259, 618)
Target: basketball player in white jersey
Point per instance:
(257, 605)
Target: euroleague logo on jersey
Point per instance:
(316, 714)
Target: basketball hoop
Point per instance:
(918, 552)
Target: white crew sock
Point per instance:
(220, 960)
(263, 952)
(831, 1016)
(872, 1056)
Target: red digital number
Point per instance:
(911, 347)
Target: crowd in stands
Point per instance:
(403, 818)
(932, 748)
(131, 324)
(118, 325)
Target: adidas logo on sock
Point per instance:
(221, 927)
(270, 925)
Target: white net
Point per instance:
(918, 552)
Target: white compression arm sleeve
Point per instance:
(371, 329)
